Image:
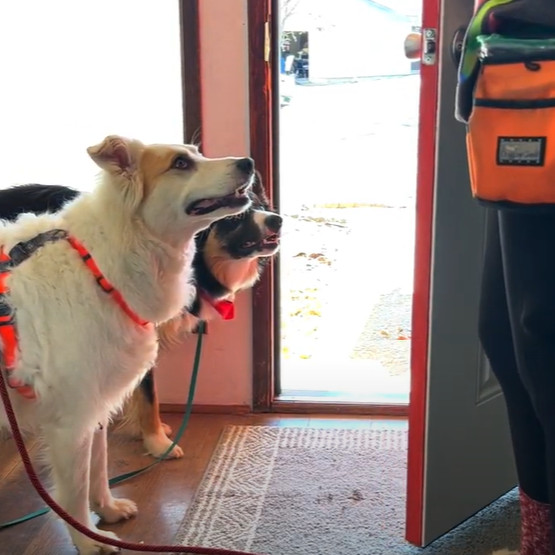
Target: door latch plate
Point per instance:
(429, 46)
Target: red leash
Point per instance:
(69, 519)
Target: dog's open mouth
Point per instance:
(271, 241)
(206, 205)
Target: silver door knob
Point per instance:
(413, 46)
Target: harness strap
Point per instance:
(18, 254)
(103, 282)
(7, 332)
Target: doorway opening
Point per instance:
(348, 136)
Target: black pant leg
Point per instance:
(527, 244)
(528, 248)
(496, 336)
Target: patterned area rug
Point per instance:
(303, 491)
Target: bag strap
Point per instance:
(484, 22)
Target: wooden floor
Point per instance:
(163, 493)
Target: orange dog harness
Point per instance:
(18, 254)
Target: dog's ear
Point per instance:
(115, 154)
(120, 157)
(258, 187)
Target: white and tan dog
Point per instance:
(79, 351)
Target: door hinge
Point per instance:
(267, 41)
(429, 46)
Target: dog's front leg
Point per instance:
(70, 457)
(102, 501)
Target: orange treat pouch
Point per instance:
(511, 134)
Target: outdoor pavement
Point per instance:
(348, 183)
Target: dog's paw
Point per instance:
(86, 546)
(158, 444)
(117, 509)
(505, 552)
(167, 429)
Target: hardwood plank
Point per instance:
(206, 409)
(10, 456)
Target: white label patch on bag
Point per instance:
(521, 151)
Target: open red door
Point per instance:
(460, 457)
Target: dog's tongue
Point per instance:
(271, 239)
(206, 203)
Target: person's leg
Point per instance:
(526, 431)
(527, 245)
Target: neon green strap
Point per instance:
(178, 436)
(476, 28)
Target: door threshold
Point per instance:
(366, 397)
(325, 402)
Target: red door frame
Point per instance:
(422, 282)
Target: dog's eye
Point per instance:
(248, 244)
(181, 163)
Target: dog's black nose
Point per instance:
(246, 165)
(273, 222)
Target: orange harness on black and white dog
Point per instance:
(18, 254)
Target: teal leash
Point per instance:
(128, 475)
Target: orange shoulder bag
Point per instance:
(511, 130)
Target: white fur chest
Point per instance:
(76, 344)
